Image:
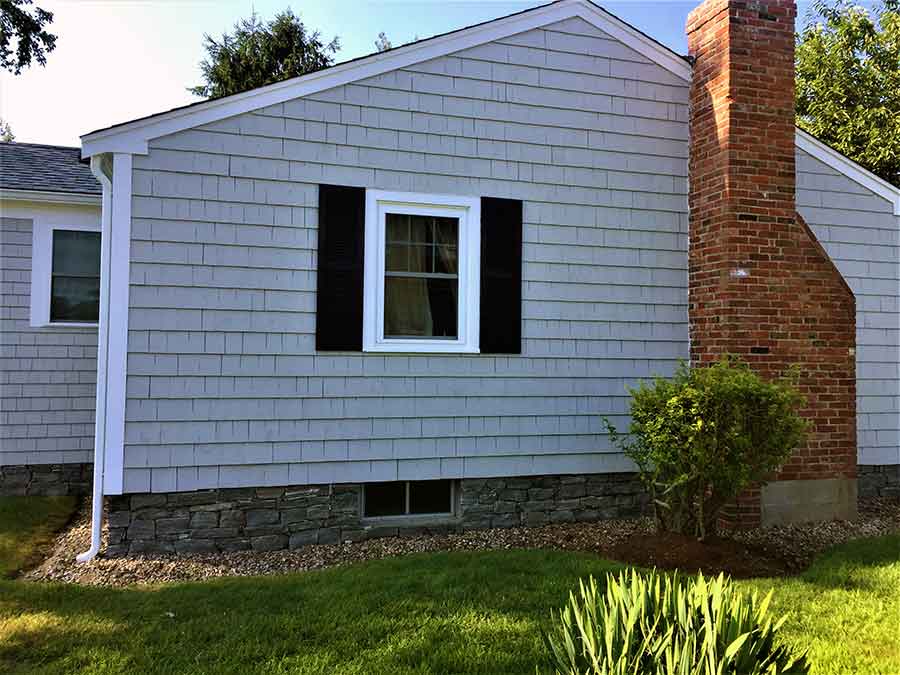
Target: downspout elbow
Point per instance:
(102, 359)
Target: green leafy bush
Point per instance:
(702, 437)
(660, 625)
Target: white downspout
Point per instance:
(102, 360)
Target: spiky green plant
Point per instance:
(656, 624)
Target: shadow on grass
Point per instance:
(856, 564)
(439, 613)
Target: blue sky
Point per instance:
(121, 59)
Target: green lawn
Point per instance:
(437, 613)
(27, 526)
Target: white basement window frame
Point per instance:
(467, 210)
(42, 271)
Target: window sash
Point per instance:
(467, 212)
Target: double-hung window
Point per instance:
(65, 281)
(422, 263)
(408, 272)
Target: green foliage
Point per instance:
(261, 53)
(382, 44)
(848, 82)
(22, 35)
(659, 625)
(6, 132)
(702, 437)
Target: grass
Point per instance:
(27, 526)
(464, 612)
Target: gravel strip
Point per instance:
(798, 543)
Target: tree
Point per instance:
(261, 53)
(22, 35)
(6, 132)
(382, 44)
(848, 82)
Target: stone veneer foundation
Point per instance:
(267, 519)
(879, 480)
(46, 480)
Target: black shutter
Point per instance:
(339, 296)
(501, 276)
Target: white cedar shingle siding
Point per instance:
(862, 236)
(47, 375)
(224, 385)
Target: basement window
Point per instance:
(408, 498)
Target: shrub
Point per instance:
(660, 625)
(702, 437)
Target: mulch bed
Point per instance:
(775, 551)
(668, 550)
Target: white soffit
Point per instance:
(132, 137)
(849, 168)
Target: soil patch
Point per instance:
(668, 550)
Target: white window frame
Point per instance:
(42, 270)
(468, 211)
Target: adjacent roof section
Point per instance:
(132, 137)
(849, 168)
(33, 168)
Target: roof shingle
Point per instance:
(45, 168)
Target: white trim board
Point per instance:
(468, 211)
(849, 168)
(133, 137)
(49, 197)
(42, 269)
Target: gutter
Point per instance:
(102, 361)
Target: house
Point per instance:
(49, 205)
(404, 291)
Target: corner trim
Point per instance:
(117, 331)
(849, 168)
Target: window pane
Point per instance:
(420, 229)
(76, 253)
(446, 231)
(445, 260)
(396, 258)
(75, 276)
(75, 299)
(397, 227)
(385, 499)
(430, 496)
(420, 307)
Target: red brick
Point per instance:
(743, 216)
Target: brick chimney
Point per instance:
(761, 286)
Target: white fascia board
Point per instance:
(849, 168)
(48, 197)
(133, 137)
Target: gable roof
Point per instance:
(133, 136)
(31, 167)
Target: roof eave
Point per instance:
(828, 155)
(50, 197)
